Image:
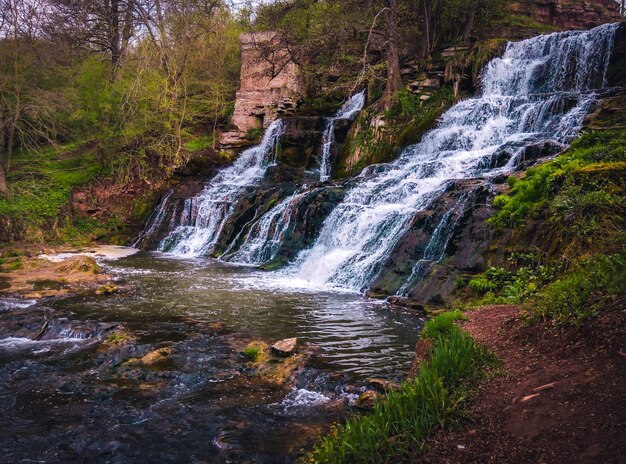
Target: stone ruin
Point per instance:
(269, 89)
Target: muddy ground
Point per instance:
(560, 398)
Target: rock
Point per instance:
(406, 303)
(367, 399)
(427, 83)
(79, 264)
(422, 348)
(424, 97)
(157, 356)
(285, 347)
(107, 289)
(381, 385)
(452, 51)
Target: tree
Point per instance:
(105, 26)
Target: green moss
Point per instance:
(200, 143)
(586, 182)
(520, 21)
(405, 122)
(251, 353)
(117, 338)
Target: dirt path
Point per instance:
(562, 399)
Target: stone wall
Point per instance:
(269, 88)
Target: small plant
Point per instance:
(117, 338)
(251, 353)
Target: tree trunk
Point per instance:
(467, 26)
(114, 37)
(426, 34)
(4, 190)
(394, 81)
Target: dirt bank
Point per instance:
(561, 399)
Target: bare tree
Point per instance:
(106, 26)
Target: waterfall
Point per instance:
(266, 235)
(539, 90)
(197, 227)
(348, 111)
(436, 248)
(154, 221)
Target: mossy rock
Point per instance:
(79, 264)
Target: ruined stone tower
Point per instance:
(269, 88)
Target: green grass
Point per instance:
(399, 426)
(41, 183)
(199, 143)
(594, 166)
(592, 285)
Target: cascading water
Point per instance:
(348, 111)
(198, 225)
(436, 248)
(265, 236)
(155, 220)
(539, 90)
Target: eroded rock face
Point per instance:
(441, 230)
(577, 14)
(270, 87)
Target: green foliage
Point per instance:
(530, 272)
(441, 325)
(254, 133)
(251, 353)
(580, 193)
(594, 284)
(199, 143)
(399, 426)
(42, 185)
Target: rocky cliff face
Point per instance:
(575, 14)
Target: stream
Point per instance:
(64, 397)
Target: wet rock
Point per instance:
(156, 357)
(381, 385)
(406, 303)
(107, 289)
(367, 399)
(79, 264)
(285, 347)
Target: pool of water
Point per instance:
(64, 397)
